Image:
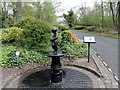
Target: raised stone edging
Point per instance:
(28, 71)
(87, 69)
(108, 77)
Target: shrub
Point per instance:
(91, 28)
(62, 27)
(69, 37)
(79, 27)
(9, 59)
(75, 40)
(103, 30)
(11, 34)
(36, 34)
(71, 45)
(66, 37)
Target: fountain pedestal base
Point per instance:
(56, 70)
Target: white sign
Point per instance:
(89, 39)
(17, 53)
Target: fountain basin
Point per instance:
(42, 79)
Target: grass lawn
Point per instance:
(102, 34)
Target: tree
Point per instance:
(92, 17)
(49, 12)
(4, 15)
(15, 6)
(102, 18)
(70, 18)
(17, 10)
(118, 16)
(82, 10)
(42, 11)
(113, 15)
(27, 9)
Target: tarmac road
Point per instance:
(106, 48)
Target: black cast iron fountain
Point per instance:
(55, 77)
(56, 71)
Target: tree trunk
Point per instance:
(118, 13)
(18, 7)
(102, 15)
(113, 16)
(4, 11)
(17, 11)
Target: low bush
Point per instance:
(8, 57)
(12, 34)
(103, 30)
(66, 37)
(75, 40)
(61, 27)
(79, 27)
(36, 34)
(91, 28)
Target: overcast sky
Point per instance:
(74, 3)
(66, 5)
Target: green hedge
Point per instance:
(12, 34)
(36, 34)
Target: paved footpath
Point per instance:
(100, 75)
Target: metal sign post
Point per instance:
(89, 39)
(88, 52)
